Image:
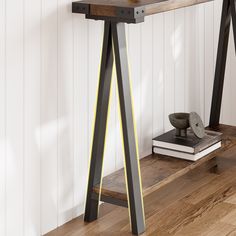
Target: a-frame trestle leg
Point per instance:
(114, 36)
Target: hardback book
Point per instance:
(185, 155)
(190, 144)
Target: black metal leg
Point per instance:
(131, 157)
(220, 64)
(95, 173)
(115, 33)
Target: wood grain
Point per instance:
(158, 170)
(175, 209)
(122, 10)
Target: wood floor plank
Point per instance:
(180, 214)
(158, 170)
(78, 223)
(199, 203)
(96, 226)
(160, 205)
(204, 221)
(210, 189)
(231, 199)
(160, 200)
(230, 218)
(220, 229)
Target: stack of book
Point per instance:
(189, 147)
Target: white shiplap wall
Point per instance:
(49, 62)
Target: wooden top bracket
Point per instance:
(128, 11)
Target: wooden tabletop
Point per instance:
(129, 11)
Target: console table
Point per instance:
(114, 190)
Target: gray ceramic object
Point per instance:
(181, 122)
(196, 125)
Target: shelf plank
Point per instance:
(159, 170)
(130, 11)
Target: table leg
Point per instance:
(115, 33)
(131, 155)
(220, 64)
(95, 172)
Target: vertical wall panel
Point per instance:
(81, 117)
(146, 89)
(169, 65)
(209, 58)
(65, 113)
(94, 53)
(226, 113)
(95, 29)
(217, 16)
(158, 74)
(49, 116)
(179, 60)
(32, 73)
(2, 121)
(14, 117)
(200, 60)
(118, 133)
(191, 83)
(110, 146)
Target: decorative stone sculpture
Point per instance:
(182, 121)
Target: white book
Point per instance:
(184, 155)
(190, 143)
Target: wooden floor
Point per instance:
(202, 202)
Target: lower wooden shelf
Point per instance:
(159, 170)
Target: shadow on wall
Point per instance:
(55, 134)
